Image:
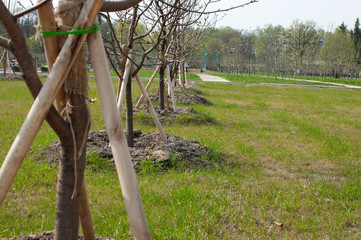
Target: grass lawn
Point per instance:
(291, 169)
(236, 78)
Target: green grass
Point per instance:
(291, 169)
(236, 78)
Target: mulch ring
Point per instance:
(190, 154)
(48, 235)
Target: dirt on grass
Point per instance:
(167, 112)
(184, 99)
(147, 146)
(48, 235)
(10, 76)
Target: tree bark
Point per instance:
(130, 132)
(71, 172)
(5, 59)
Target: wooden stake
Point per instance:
(119, 145)
(125, 48)
(148, 85)
(151, 109)
(85, 215)
(44, 100)
(183, 91)
(51, 45)
(127, 72)
(170, 89)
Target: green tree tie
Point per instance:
(91, 29)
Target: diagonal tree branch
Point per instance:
(5, 43)
(118, 5)
(26, 11)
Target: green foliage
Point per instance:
(34, 45)
(303, 40)
(269, 47)
(338, 52)
(357, 39)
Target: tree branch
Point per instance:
(26, 11)
(118, 5)
(210, 12)
(5, 43)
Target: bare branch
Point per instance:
(5, 43)
(210, 12)
(118, 5)
(26, 11)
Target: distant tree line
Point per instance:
(303, 49)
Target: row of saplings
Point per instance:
(67, 85)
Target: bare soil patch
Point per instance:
(147, 146)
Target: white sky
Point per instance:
(328, 14)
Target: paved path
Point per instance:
(327, 83)
(210, 78)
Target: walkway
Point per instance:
(210, 78)
(329, 83)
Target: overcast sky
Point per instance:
(328, 14)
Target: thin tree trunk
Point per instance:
(161, 87)
(5, 59)
(130, 132)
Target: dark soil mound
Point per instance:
(147, 146)
(46, 236)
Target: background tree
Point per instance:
(303, 40)
(338, 53)
(356, 36)
(247, 50)
(269, 48)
